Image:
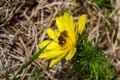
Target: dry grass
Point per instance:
(23, 24)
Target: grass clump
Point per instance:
(89, 61)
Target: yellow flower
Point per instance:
(63, 42)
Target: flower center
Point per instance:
(65, 40)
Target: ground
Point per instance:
(22, 29)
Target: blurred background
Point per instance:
(22, 29)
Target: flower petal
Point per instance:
(51, 51)
(51, 54)
(65, 23)
(71, 53)
(52, 34)
(69, 24)
(53, 45)
(59, 24)
(81, 23)
(56, 60)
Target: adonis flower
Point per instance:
(63, 43)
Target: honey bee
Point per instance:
(62, 37)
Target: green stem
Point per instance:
(29, 61)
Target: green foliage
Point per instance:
(89, 61)
(36, 74)
(103, 3)
(109, 4)
(100, 3)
